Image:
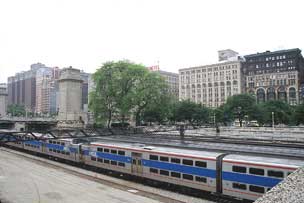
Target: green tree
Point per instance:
(188, 111)
(240, 105)
(16, 110)
(124, 89)
(282, 112)
(299, 114)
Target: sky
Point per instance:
(174, 33)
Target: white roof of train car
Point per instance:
(158, 149)
(264, 160)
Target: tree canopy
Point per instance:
(123, 90)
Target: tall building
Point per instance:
(3, 99)
(275, 75)
(211, 85)
(85, 90)
(46, 90)
(22, 87)
(171, 79)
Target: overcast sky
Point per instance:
(177, 33)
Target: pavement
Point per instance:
(26, 182)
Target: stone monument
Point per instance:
(70, 114)
(3, 99)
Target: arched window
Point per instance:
(260, 95)
(228, 83)
(235, 82)
(222, 84)
(282, 94)
(292, 93)
(198, 86)
(271, 95)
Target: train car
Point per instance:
(33, 144)
(249, 177)
(191, 168)
(67, 149)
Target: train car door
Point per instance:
(137, 163)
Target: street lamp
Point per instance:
(272, 115)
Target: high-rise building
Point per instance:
(46, 89)
(22, 87)
(171, 80)
(277, 75)
(85, 90)
(211, 85)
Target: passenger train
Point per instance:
(241, 176)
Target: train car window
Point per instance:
(163, 158)
(239, 169)
(58, 151)
(50, 150)
(153, 170)
(153, 157)
(163, 172)
(121, 164)
(175, 175)
(121, 153)
(106, 150)
(62, 143)
(268, 188)
(256, 171)
(188, 162)
(239, 186)
(113, 151)
(175, 160)
(114, 163)
(93, 158)
(201, 164)
(99, 149)
(99, 160)
(278, 174)
(62, 152)
(67, 153)
(200, 179)
(256, 189)
(187, 177)
(289, 173)
(50, 141)
(106, 161)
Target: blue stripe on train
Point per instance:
(33, 142)
(54, 146)
(250, 179)
(180, 168)
(114, 157)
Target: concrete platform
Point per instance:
(291, 190)
(25, 179)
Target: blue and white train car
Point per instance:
(249, 177)
(191, 168)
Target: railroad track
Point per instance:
(123, 186)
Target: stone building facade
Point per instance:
(171, 80)
(211, 85)
(3, 99)
(274, 75)
(70, 98)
